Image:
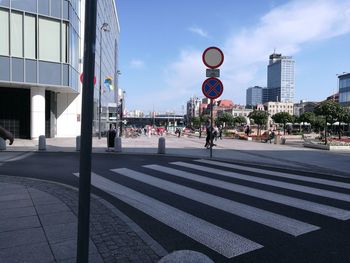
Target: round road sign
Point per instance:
(213, 57)
(212, 88)
(82, 76)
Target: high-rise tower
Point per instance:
(280, 78)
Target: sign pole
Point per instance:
(211, 128)
(86, 132)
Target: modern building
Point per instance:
(193, 108)
(41, 64)
(304, 106)
(280, 78)
(344, 89)
(254, 96)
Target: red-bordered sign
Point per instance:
(213, 57)
(212, 88)
(81, 78)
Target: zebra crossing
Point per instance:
(210, 173)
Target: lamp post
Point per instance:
(104, 28)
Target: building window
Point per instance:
(30, 37)
(16, 35)
(49, 40)
(64, 42)
(4, 29)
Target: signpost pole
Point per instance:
(211, 128)
(86, 132)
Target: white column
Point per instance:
(37, 112)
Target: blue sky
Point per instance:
(162, 41)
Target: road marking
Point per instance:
(216, 238)
(273, 220)
(290, 186)
(322, 209)
(20, 157)
(279, 174)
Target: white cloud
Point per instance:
(198, 31)
(286, 28)
(137, 63)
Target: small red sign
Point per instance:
(81, 78)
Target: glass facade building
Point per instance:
(41, 62)
(254, 96)
(344, 89)
(280, 78)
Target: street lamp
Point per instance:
(104, 28)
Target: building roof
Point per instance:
(225, 103)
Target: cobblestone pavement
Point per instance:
(115, 236)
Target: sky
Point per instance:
(162, 41)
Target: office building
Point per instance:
(193, 108)
(41, 58)
(254, 96)
(344, 89)
(280, 78)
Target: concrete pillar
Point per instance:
(2, 144)
(42, 143)
(118, 144)
(37, 112)
(161, 145)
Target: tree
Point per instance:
(196, 122)
(240, 120)
(226, 118)
(308, 117)
(343, 116)
(282, 117)
(260, 118)
(330, 110)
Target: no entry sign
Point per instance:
(213, 57)
(212, 88)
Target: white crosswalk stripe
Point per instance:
(279, 174)
(280, 184)
(218, 239)
(322, 209)
(282, 223)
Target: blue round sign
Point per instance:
(212, 88)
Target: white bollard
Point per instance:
(77, 143)
(2, 144)
(42, 143)
(117, 144)
(161, 145)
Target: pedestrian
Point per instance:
(6, 135)
(220, 132)
(216, 133)
(208, 137)
(247, 130)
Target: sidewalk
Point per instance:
(38, 223)
(292, 154)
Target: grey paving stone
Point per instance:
(66, 250)
(22, 237)
(51, 208)
(36, 253)
(58, 218)
(95, 258)
(15, 204)
(17, 212)
(62, 232)
(15, 196)
(19, 223)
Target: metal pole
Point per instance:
(121, 117)
(211, 128)
(99, 91)
(86, 132)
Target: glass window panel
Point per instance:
(30, 37)
(64, 43)
(5, 2)
(65, 9)
(43, 7)
(49, 40)
(56, 8)
(16, 35)
(4, 29)
(27, 5)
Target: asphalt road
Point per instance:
(231, 214)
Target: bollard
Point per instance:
(117, 144)
(2, 144)
(161, 145)
(42, 143)
(77, 143)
